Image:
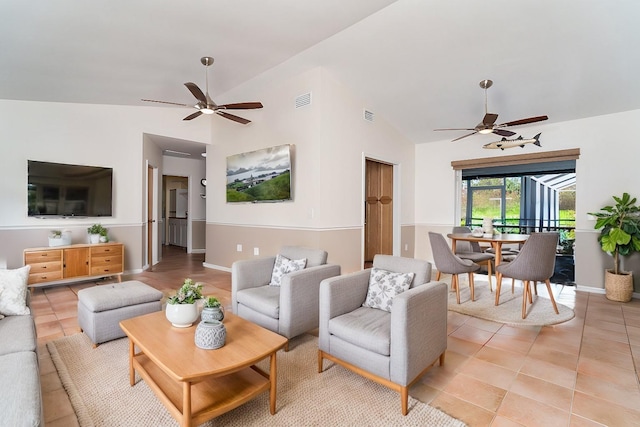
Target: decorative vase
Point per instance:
(487, 225)
(210, 334)
(182, 315)
(618, 287)
(212, 313)
(94, 238)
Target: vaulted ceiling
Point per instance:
(416, 62)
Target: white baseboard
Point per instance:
(216, 267)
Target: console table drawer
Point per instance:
(42, 256)
(106, 269)
(45, 267)
(45, 277)
(104, 250)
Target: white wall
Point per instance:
(329, 137)
(100, 135)
(609, 152)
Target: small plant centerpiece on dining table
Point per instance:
(182, 310)
(212, 309)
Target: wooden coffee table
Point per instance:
(197, 385)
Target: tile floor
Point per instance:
(580, 373)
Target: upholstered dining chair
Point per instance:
(472, 251)
(392, 342)
(449, 263)
(290, 307)
(535, 262)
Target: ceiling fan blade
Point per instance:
(524, 121)
(232, 117)
(242, 106)
(489, 119)
(503, 132)
(193, 116)
(455, 129)
(167, 102)
(463, 136)
(195, 90)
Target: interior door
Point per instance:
(150, 220)
(378, 227)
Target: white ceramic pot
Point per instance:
(94, 238)
(182, 315)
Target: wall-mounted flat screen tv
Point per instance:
(260, 176)
(57, 189)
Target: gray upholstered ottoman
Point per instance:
(101, 308)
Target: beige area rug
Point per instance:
(97, 381)
(540, 313)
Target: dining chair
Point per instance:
(535, 262)
(449, 263)
(472, 251)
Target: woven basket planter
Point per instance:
(618, 287)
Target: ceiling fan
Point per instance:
(205, 104)
(488, 122)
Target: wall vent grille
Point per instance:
(368, 115)
(303, 100)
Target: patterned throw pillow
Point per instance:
(284, 265)
(13, 297)
(384, 286)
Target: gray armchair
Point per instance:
(289, 309)
(392, 348)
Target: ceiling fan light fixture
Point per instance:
(206, 110)
(485, 131)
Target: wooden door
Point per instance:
(76, 262)
(378, 228)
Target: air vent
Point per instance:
(368, 115)
(303, 100)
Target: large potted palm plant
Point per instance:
(619, 227)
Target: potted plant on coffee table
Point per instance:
(619, 236)
(181, 309)
(212, 309)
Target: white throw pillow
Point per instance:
(13, 297)
(284, 265)
(384, 286)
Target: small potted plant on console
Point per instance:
(95, 231)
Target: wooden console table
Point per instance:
(59, 264)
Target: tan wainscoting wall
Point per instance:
(344, 246)
(15, 241)
(198, 235)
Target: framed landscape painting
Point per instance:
(260, 176)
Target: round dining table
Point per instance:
(496, 241)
